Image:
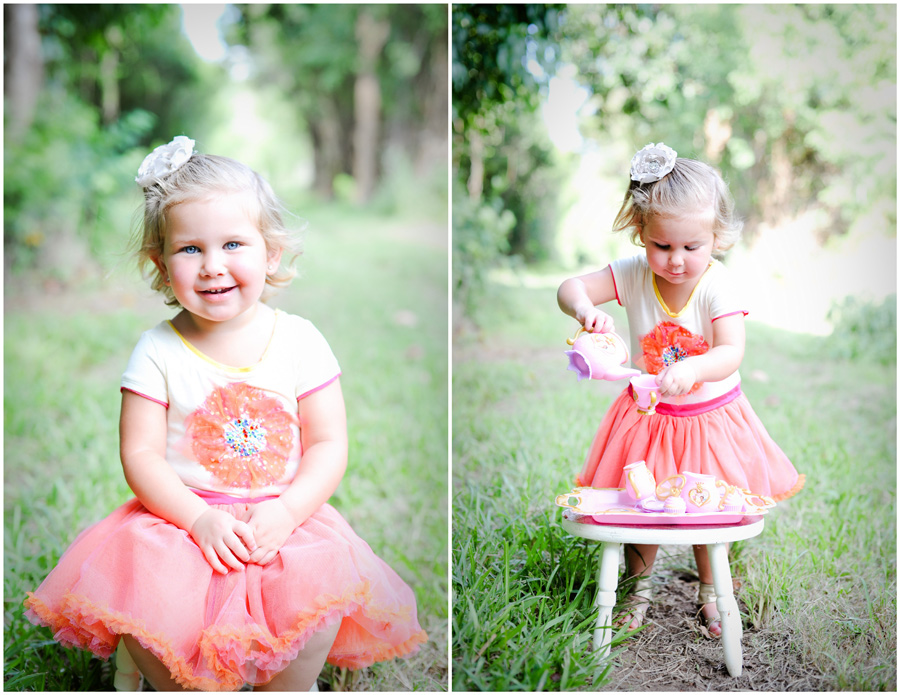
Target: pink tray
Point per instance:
(613, 506)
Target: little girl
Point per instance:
(686, 326)
(230, 566)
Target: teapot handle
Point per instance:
(571, 341)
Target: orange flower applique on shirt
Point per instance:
(242, 436)
(669, 343)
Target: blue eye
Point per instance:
(191, 249)
(232, 246)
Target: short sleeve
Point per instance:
(723, 298)
(627, 275)
(317, 365)
(145, 373)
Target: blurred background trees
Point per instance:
(796, 104)
(345, 102)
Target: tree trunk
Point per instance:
(109, 76)
(23, 69)
(325, 128)
(372, 34)
(432, 148)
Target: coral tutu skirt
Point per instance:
(727, 441)
(135, 573)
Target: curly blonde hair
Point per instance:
(203, 176)
(689, 187)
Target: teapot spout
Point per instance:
(616, 373)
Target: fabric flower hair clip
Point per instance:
(652, 162)
(164, 160)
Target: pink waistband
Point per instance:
(222, 498)
(695, 408)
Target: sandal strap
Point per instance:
(706, 594)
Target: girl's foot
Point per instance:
(709, 614)
(636, 605)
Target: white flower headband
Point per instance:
(652, 162)
(164, 160)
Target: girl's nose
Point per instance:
(213, 264)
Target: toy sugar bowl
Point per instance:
(598, 356)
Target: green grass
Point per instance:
(824, 570)
(377, 289)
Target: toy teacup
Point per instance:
(645, 393)
(598, 356)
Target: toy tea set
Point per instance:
(685, 498)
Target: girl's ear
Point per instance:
(161, 267)
(274, 258)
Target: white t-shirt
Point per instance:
(660, 336)
(233, 430)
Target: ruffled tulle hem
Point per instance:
(85, 625)
(801, 481)
(134, 573)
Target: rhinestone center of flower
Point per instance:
(245, 436)
(672, 354)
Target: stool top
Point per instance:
(665, 534)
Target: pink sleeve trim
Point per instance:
(615, 286)
(144, 395)
(319, 387)
(741, 311)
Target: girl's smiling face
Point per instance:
(215, 258)
(679, 248)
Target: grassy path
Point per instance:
(817, 589)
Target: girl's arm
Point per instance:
(579, 296)
(142, 447)
(323, 437)
(719, 362)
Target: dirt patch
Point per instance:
(672, 654)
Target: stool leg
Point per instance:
(732, 630)
(607, 579)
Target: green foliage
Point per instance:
(794, 103)
(492, 48)
(68, 169)
(116, 80)
(864, 330)
(480, 242)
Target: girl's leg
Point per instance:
(639, 563)
(708, 610)
(302, 672)
(152, 668)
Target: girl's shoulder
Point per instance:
(294, 324)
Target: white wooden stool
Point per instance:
(715, 538)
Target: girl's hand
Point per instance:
(676, 379)
(223, 539)
(595, 321)
(271, 524)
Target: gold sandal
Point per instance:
(637, 603)
(707, 595)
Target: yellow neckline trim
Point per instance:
(227, 367)
(662, 302)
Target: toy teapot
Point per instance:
(598, 356)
